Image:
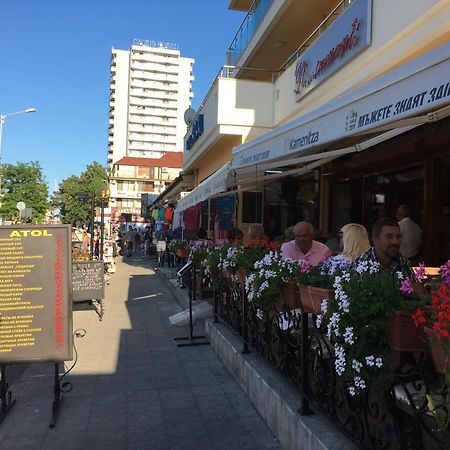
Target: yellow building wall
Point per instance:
(218, 155)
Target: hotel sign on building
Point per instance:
(348, 36)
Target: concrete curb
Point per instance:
(274, 397)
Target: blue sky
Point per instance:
(55, 55)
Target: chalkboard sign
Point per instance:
(88, 280)
(35, 286)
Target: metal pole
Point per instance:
(102, 226)
(92, 223)
(2, 120)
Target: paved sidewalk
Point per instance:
(133, 388)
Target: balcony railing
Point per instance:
(248, 28)
(401, 415)
(230, 72)
(325, 24)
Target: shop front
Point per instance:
(362, 155)
(412, 169)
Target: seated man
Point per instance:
(304, 247)
(386, 239)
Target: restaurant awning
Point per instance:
(213, 185)
(181, 183)
(414, 93)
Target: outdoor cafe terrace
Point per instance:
(366, 349)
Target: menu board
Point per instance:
(88, 280)
(35, 286)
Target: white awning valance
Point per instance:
(411, 94)
(213, 185)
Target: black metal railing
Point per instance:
(402, 416)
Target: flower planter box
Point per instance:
(403, 335)
(289, 295)
(240, 275)
(311, 297)
(182, 253)
(440, 359)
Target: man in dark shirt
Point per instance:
(386, 238)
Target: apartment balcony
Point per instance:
(154, 111)
(240, 5)
(149, 128)
(273, 30)
(156, 145)
(232, 111)
(150, 137)
(152, 84)
(156, 119)
(158, 103)
(157, 68)
(155, 58)
(156, 76)
(153, 94)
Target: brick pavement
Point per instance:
(133, 388)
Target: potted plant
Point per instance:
(213, 264)
(179, 247)
(435, 318)
(269, 282)
(355, 322)
(316, 283)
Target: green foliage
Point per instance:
(264, 285)
(74, 195)
(24, 182)
(213, 264)
(356, 323)
(177, 244)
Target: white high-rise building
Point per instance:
(150, 89)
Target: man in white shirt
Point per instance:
(411, 233)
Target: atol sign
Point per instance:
(196, 131)
(35, 293)
(349, 35)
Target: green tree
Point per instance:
(73, 197)
(24, 182)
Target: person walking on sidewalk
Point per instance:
(129, 238)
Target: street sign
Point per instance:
(20, 206)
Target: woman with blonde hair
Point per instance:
(355, 240)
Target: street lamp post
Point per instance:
(104, 196)
(2, 121)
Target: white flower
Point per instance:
(370, 361)
(324, 306)
(359, 382)
(339, 362)
(348, 336)
(356, 365)
(352, 391)
(319, 319)
(379, 362)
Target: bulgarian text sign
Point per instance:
(346, 37)
(383, 106)
(88, 280)
(35, 286)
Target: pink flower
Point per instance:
(420, 272)
(406, 286)
(304, 266)
(445, 270)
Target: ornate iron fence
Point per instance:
(403, 416)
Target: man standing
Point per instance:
(386, 239)
(129, 236)
(304, 247)
(411, 233)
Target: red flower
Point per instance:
(419, 317)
